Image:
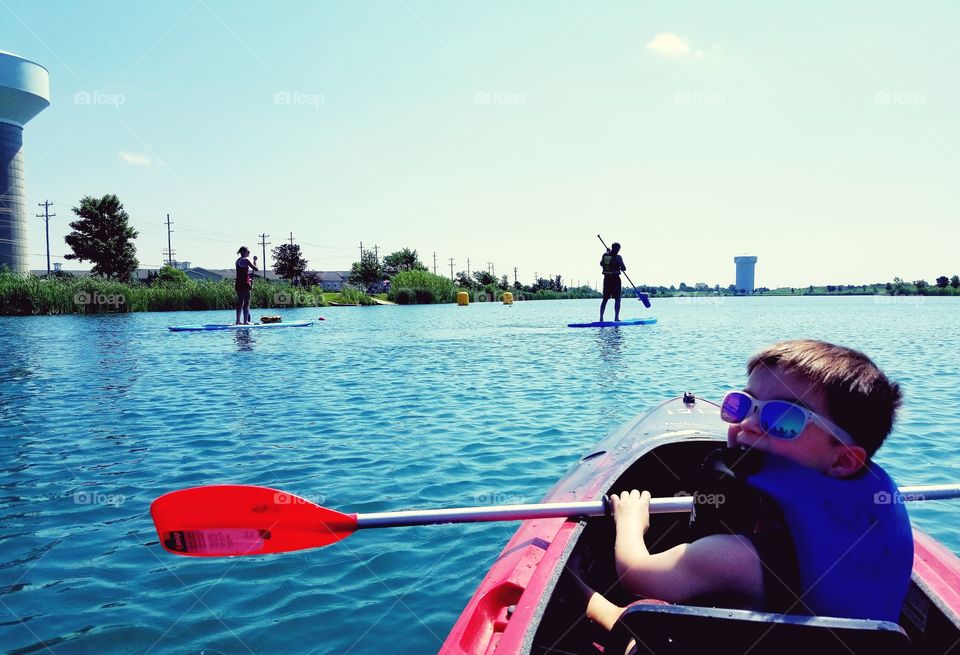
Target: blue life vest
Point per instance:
(853, 539)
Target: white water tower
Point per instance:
(24, 93)
(745, 270)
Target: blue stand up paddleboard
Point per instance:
(230, 326)
(632, 321)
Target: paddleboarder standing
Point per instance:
(244, 284)
(612, 264)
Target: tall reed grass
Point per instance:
(25, 295)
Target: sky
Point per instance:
(820, 137)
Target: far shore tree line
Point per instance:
(102, 235)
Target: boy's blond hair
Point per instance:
(859, 396)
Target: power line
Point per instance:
(46, 216)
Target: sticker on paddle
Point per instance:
(214, 542)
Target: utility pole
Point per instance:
(451, 269)
(46, 216)
(264, 243)
(291, 238)
(468, 268)
(361, 251)
(376, 252)
(434, 262)
(514, 275)
(169, 244)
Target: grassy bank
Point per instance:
(26, 295)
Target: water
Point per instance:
(374, 409)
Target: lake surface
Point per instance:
(375, 409)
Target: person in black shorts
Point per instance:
(612, 264)
(244, 284)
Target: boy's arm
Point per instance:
(717, 563)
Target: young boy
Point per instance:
(813, 414)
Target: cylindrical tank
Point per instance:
(463, 298)
(745, 269)
(24, 93)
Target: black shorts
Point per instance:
(611, 286)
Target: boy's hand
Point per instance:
(632, 508)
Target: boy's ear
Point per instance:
(849, 460)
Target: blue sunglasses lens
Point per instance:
(782, 420)
(735, 407)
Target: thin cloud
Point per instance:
(667, 44)
(134, 159)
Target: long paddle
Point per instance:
(227, 520)
(641, 296)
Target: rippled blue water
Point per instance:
(372, 410)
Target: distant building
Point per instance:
(745, 272)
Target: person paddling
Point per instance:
(244, 284)
(612, 264)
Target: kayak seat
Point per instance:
(687, 629)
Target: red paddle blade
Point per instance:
(223, 520)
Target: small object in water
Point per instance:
(271, 319)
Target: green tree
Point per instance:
(169, 276)
(943, 281)
(102, 235)
(463, 281)
(402, 260)
(484, 278)
(366, 271)
(288, 262)
(955, 281)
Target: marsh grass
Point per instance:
(26, 295)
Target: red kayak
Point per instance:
(519, 606)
